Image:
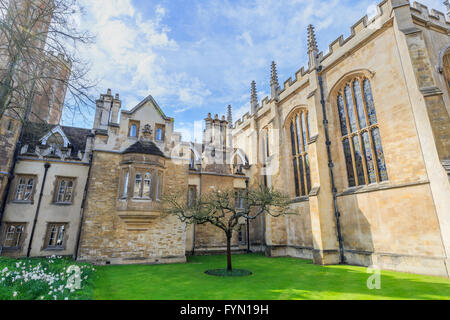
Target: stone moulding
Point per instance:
(139, 222)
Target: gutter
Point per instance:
(330, 166)
(46, 166)
(83, 204)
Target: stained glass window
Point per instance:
(379, 154)
(364, 156)
(299, 143)
(370, 103)
(342, 115)
(350, 108)
(349, 163)
(359, 104)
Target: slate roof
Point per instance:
(35, 132)
(144, 147)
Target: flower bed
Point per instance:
(54, 278)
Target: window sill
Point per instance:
(22, 202)
(378, 187)
(10, 249)
(300, 199)
(54, 249)
(62, 204)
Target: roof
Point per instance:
(155, 104)
(34, 132)
(144, 147)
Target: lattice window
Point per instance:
(25, 188)
(56, 233)
(299, 131)
(64, 192)
(361, 136)
(13, 237)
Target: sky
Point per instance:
(199, 56)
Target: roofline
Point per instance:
(143, 102)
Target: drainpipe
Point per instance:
(83, 203)
(330, 166)
(248, 222)
(46, 166)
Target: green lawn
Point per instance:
(273, 278)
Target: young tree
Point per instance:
(39, 62)
(224, 210)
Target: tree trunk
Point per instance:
(229, 266)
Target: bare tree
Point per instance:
(39, 61)
(226, 210)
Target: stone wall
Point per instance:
(112, 236)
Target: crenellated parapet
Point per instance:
(360, 31)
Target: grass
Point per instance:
(272, 279)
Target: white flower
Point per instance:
(15, 294)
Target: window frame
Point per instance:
(19, 242)
(131, 124)
(160, 128)
(357, 135)
(48, 236)
(302, 178)
(27, 179)
(57, 190)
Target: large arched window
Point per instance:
(299, 131)
(361, 137)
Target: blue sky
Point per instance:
(198, 56)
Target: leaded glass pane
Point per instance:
(299, 134)
(29, 190)
(379, 154)
(342, 115)
(302, 175)
(369, 158)
(294, 151)
(69, 190)
(62, 188)
(305, 139)
(297, 186)
(349, 163)
(359, 104)
(350, 108)
(358, 161)
(369, 102)
(138, 186)
(20, 189)
(147, 193)
(308, 173)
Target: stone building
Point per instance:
(368, 130)
(359, 139)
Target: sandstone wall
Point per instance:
(120, 237)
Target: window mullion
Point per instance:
(363, 93)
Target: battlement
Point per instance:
(434, 16)
(61, 58)
(362, 29)
(383, 15)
